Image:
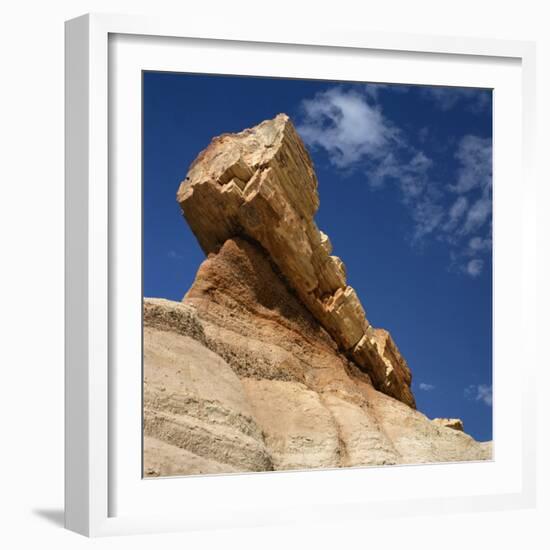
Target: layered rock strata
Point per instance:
(260, 185)
(269, 362)
(241, 376)
(453, 423)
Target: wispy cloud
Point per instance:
(447, 98)
(373, 89)
(352, 128)
(471, 213)
(426, 387)
(474, 267)
(174, 255)
(478, 244)
(455, 215)
(348, 127)
(477, 215)
(481, 392)
(474, 154)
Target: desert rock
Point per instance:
(196, 414)
(269, 361)
(260, 185)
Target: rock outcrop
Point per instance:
(240, 376)
(260, 184)
(269, 362)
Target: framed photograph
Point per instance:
(298, 275)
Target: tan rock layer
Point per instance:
(204, 413)
(196, 417)
(260, 184)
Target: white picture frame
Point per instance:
(94, 463)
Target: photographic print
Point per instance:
(317, 274)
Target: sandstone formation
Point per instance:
(260, 184)
(240, 376)
(269, 362)
(195, 410)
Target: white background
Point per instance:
(131, 496)
(31, 278)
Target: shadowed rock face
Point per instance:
(240, 376)
(260, 184)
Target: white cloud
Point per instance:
(478, 244)
(351, 127)
(456, 213)
(485, 394)
(481, 392)
(474, 267)
(409, 174)
(477, 215)
(347, 126)
(475, 157)
(373, 89)
(446, 98)
(426, 387)
(472, 210)
(354, 132)
(427, 215)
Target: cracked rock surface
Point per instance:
(260, 185)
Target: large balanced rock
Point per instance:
(241, 376)
(260, 185)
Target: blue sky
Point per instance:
(405, 179)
